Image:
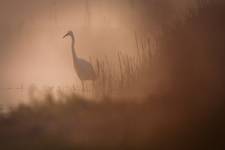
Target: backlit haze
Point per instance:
(32, 51)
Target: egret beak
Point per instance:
(65, 35)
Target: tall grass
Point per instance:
(78, 123)
(115, 77)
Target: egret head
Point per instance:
(69, 33)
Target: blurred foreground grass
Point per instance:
(76, 123)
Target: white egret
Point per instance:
(82, 67)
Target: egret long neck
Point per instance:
(73, 50)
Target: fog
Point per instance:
(32, 51)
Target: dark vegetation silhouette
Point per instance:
(189, 114)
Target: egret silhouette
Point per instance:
(82, 67)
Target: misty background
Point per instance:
(32, 51)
